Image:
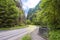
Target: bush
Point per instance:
(54, 35)
(28, 22)
(26, 37)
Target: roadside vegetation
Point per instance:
(47, 15)
(27, 37)
(54, 35)
(13, 28)
(11, 15)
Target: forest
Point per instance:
(45, 14)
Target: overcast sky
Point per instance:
(29, 4)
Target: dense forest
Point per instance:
(11, 13)
(45, 14)
(48, 16)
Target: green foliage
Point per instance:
(32, 14)
(49, 15)
(54, 35)
(8, 13)
(28, 21)
(26, 37)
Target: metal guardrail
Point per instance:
(43, 32)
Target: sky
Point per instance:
(27, 4)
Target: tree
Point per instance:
(8, 13)
(49, 15)
(50, 11)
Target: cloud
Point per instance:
(24, 1)
(31, 3)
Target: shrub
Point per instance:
(54, 35)
(26, 37)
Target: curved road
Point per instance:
(15, 34)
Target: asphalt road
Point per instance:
(35, 36)
(15, 34)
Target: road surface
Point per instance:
(15, 34)
(35, 36)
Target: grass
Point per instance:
(12, 28)
(54, 35)
(26, 37)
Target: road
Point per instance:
(15, 34)
(36, 36)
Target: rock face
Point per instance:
(43, 32)
(32, 11)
